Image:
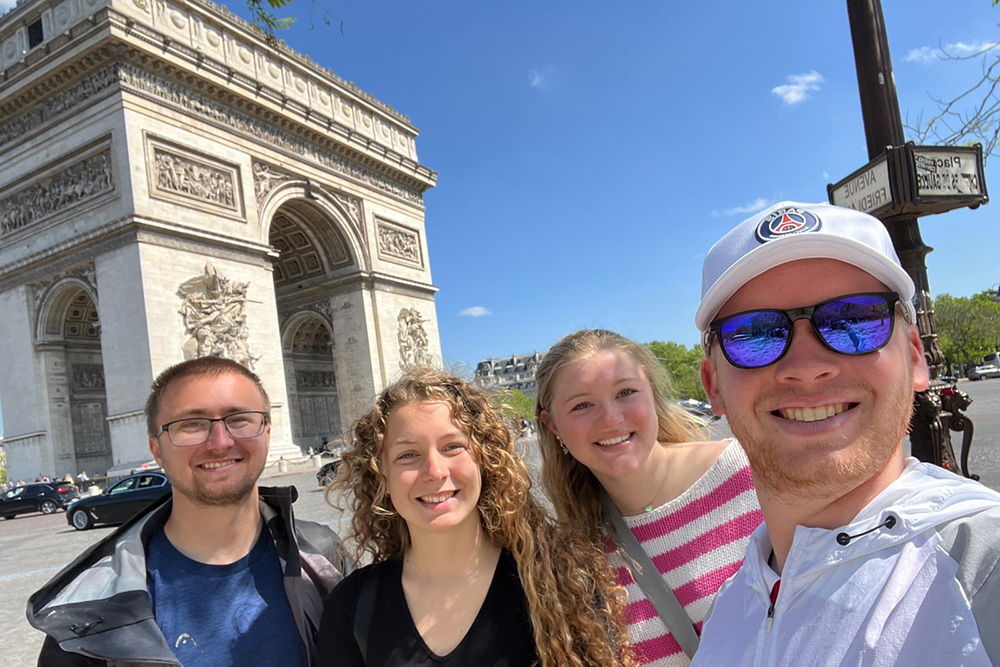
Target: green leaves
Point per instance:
(967, 327)
(683, 365)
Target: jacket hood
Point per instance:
(922, 498)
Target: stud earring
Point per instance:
(563, 445)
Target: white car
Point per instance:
(983, 372)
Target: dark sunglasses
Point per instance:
(853, 324)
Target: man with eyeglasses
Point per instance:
(865, 557)
(221, 574)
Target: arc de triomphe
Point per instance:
(172, 185)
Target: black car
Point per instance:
(120, 502)
(44, 497)
(328, 473)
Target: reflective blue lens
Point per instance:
(855, 325)
(755, 339)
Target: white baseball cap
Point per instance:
(789, 231)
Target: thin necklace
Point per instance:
(649, 508)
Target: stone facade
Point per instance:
(173, 186)
(514, 372)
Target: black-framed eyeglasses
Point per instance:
(196, 430)
(853, 324)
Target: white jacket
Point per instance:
(913, 580)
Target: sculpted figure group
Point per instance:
(808, 539)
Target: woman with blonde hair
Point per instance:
(627, 466)
(467, 569)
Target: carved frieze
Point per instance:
(181, 175)
(265, 178)
(88, 377)
(143, 83)
(412, 339)
(397, 243)
(214, 312)
(315, 380)
(90, 86)
(56, 193)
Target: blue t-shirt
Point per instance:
(217, 615)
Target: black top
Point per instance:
(500, 636)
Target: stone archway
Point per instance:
(70, 346)
(311, 251)
(311, 378)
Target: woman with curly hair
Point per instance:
(467, 569)
(618, 459)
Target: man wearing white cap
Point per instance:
(865, 557)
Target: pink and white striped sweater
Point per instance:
(696, 541)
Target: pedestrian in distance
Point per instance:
(218, 574)
(630, 468)
(866, 557)
(467, 568)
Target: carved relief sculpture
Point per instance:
(412, 339)
(68, 187)
(396, 242)
(265, 178)
(315, 380)
(214, 312)
(187, 177)
(88, 377)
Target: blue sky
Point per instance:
(590, 153)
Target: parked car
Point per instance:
(44, 497)
(983, 372)
(698, 408)
(120, 502)
(328, 473)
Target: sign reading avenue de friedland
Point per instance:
(914, 180)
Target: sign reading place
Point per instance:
(914, 180)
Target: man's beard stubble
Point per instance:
(776, 470)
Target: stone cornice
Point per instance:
(209, 41)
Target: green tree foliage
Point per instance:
(967, 327)
(515, 404)
(683, 366)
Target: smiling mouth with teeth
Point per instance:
(212, 465)
(615, 441)
(433, 500)
(813, 414)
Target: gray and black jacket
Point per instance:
(96, 612)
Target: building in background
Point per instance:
(514, 372)
(175, 186)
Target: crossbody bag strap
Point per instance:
(364, 610)
(649, 578)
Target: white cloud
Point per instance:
(536, 79)
(7, 5)
(756, 205)
(928, 54)
(798, 86)
(826, 176)
(474, 311)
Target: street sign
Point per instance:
(914, 180)
(941, 178)
(868, 189)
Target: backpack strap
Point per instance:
(649, 578)
(364, 610)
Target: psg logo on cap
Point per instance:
(786, 222)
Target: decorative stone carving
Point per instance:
(194, 179)
(398, 243)
(214, 312)
(140, 82)
(265, 178)
(352, 205)
(412, 339)
(315, 380)
(68, 187)
(181, 175)
(94, 84)
(84, 272)
(88, 377)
